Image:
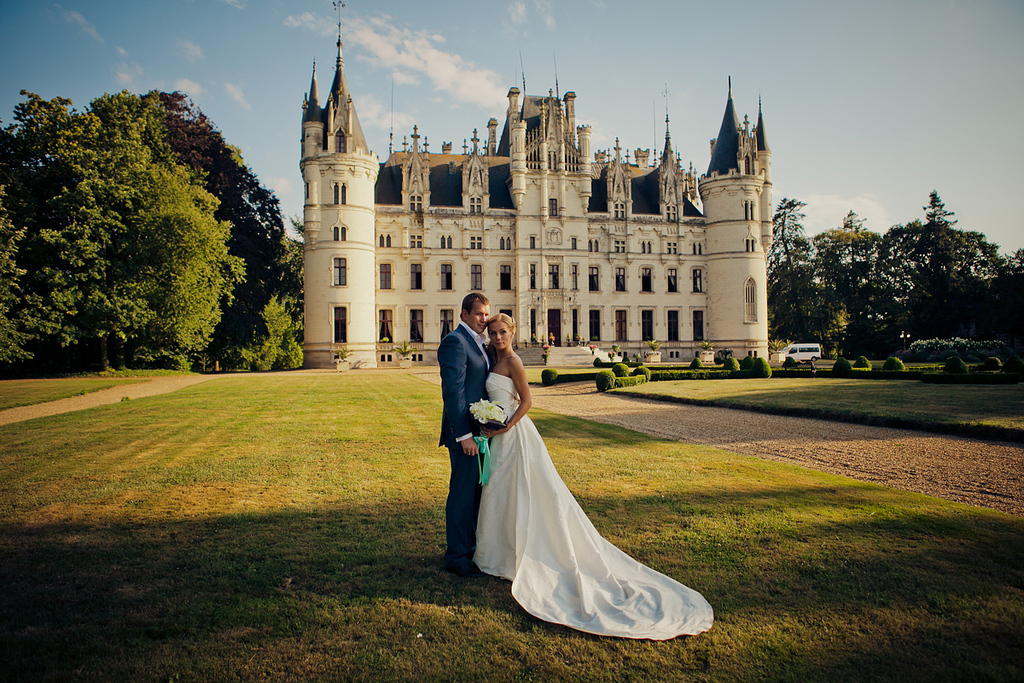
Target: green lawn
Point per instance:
(26, 392)
(290, 527)
(997, 406)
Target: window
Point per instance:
(620, 325)
(476, 242)
(698, 326)
(337, 233)
(476, 205)
(670, 248)
(385, 326)
(384, 241)
(476, 277)
(750, 244)
(447, 321)
(339, 143)
(505, 277)
(620, 210)
(673, 326)
(446, 276)
(308, 186)
(344, 195)
(595, 279)
(591, 245)
(620, 246)
(552, 207)
(671, 213)
(647, 324)
(750, 301)
(533, 323)
(385, 276)
(337, 193)
(533, 242)
(416, 325)
(533, 276)
(416, 202)
(415, 241)
(446, 241)
(505, 243)
(574, 244)
(553, 276)
(620, 279)
(698, 280)
(698, 248)
(415, 276)
(595, 324)
(340, 325)
(673, 281)
(645, 247)
(340, 273)
(575, 276)
(645, 280)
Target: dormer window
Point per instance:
(620, 210)
(476, 205)
(340, 144)
(671, 213)
(416, 203)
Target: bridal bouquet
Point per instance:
(488, 413)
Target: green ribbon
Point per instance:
(483, 463)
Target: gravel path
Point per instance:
(983, 473)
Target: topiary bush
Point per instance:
(642, 370)
(790, 362)
(993, 364)
(548, 376)
(695, 364)
(760, 368)
(893, 364)
(747, 363)
(1014, 364)
(731, 364)
(605, 380)
(862, 362)
(629, 381)
(955, 365)
(842, 368)
(620, 370)
(598, 363)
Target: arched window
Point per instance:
(750, 301)
(337, 234)
(337, 193)
(340, 144)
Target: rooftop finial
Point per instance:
(730, 86)
(337, 6)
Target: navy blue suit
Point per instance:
(463, 380)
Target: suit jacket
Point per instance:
(463, 381)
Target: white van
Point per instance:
(802, 352)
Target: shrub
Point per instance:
(862, 362)
(642, 370)
(598, 363)
(790, 362)
(548, 376)
(993, 364)
(760, 368)
(605, 380)
(747, 363)
(955, 366)
(893, 364)
(842, 368)
(620, 370)
(1014, 364)
(731, 364)
(695, 364)
(629, 381)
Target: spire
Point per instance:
(762, 139)
(668, 142)
(723, 157)
(341, 113)
(313, 102)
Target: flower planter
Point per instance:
(707, 356)
(342, 365)
(654, 357)
(405, 363)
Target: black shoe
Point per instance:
(466, 571)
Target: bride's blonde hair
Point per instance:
(502, 318)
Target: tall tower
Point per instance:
(736, 192)
(339, 173)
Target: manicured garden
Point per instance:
(290, 527)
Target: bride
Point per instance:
(532, 532)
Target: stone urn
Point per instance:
(707, 357)
(342, 365)
(654, 357)
(405, 363)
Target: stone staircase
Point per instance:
(561, 356)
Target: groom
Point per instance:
(464, 367)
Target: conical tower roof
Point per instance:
(762, 138)
(338, 99)
(313, 103)
(723, 157)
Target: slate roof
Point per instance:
(727, 146)
(445, 181)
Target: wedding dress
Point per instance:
(532, 531)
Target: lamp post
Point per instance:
(904, 336)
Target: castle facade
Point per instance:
(578, 246)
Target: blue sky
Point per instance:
(868, 106)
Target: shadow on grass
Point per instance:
(808, 583)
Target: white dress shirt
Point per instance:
(479, 339)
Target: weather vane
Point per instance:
(337, 6)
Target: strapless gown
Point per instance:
(532, 532)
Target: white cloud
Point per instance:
(127, 72)
(402, 78)
(544, 8)
(188, 86)
(517, 12)
(374, 114)
(238, 96)
(240, 4)
(827, 211)
(412, 52)
(311, 22)
(74, 17)
(281, 186)
(122, 52)
(191, 51)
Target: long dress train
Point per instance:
(532, 531)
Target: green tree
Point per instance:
(12, 338)
(791, 286)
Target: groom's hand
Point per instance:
(470, 447)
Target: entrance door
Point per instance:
(555, 324)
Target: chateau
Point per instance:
(574, 244)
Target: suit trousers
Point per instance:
(461, 508)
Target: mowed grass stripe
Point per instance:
(290, 527)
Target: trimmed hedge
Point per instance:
(549, 376)
(605, 380)
(642, 370)
(955, 366)
(620, 370)
(842, 368)
(760, 368)
(598, 363)
(862, 362)
(696, 364)
(747, 363)
(669, 375)
(1014, 364)
(893, 364)
(963, 378)
(790, 362)
(731, 364)
(630, 381)
(993, 364)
